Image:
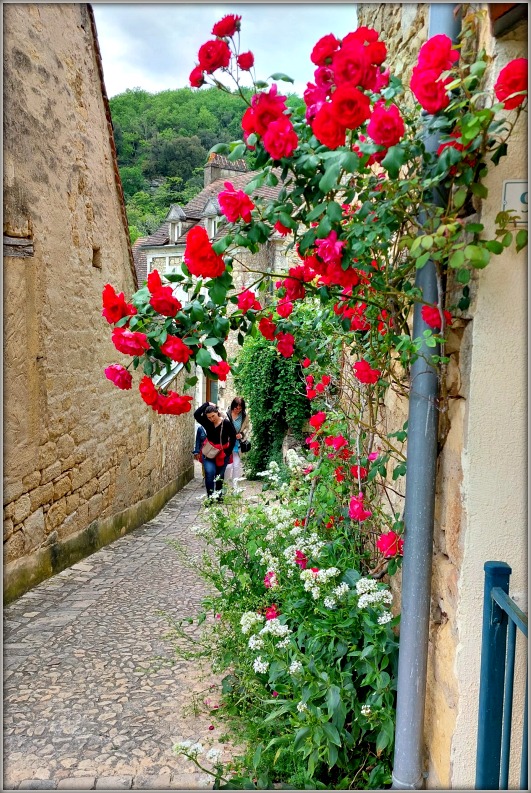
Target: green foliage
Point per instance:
(273, 389)
(310, 690)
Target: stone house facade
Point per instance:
(481, 487)
(164, 250)
(83, 462)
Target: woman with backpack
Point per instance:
(217, 448)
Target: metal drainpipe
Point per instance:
(408, 767)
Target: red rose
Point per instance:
(266, 107)
(285, 344)
(272, 612)
(432, 317)
(386, 126)
(358, 471)
(282, 230)
(227, 26)
(280, 139)
(376, 50)
(247, 300)
(214, 55)
(148, 392)
(284, 308)
(365, 373)
(235, 204)
(175, 349)
(327, 129)
(222, 369)
(511, 80)
(173, 404)
(352, 64)
(130, 342)
(437, 53)
(197, 77)
(429, 90)
(317, 420)
(350, 107)
(246, 61)
(119, 376)
(390, 544)
(267, 328)
(114, 306)
(164, 302)
(301, 560)
(199, 255)
(293, 284)
(248, 123)
(324, 49)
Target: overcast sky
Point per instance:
(154, 46)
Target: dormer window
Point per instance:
(211, 214)
(211, 226)
(175, 218)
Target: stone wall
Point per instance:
(78, 453)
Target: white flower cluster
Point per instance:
(384, 618)
(192, 749)
(295, 668)
(271, 472)
(259, 665)
(275, 628)
(329, 603)
(213, 755)
(374, 598)
(255, 643)
(302, 707)
(365, 710)
(293, 460)
(250, 618)
(366, 585)
(296, 530)
(199, 531)
(341, 590)
(283, 643)
(267, 559)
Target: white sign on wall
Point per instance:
(515, 197)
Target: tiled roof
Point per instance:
(223, 162)
(195, 207)
(140, 260)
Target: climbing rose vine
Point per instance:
(364, 202)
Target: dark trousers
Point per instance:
(211, 472)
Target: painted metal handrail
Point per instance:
(501, 618)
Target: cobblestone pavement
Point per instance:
(93, 695)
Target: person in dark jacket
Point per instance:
(220, 432)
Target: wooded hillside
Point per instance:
(163, 140)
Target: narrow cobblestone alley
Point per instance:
(91, 697)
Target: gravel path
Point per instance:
(93, 695)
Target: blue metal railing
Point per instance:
(501, 618)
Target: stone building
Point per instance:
(83, 462)
(164, 249)
(481, 487)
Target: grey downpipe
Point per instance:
(408, 766)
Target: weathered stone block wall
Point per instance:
(77, 452)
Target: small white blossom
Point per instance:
(213, 755)
(365, 710)
(275, 628)
(301, 707)
(255, 643)
(283, 643)
(196, 749)
(295, 667)
(341, 590)
(182, 746)
(329, 603)
(366, 585)
(259, 665)
(315, 592)
(385, 617)
(250, 618)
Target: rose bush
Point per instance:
(358, 175)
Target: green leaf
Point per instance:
(521, 239)
(474, 228)
(393, 160)
(334, 212)
(329, 180)
(494, 246)
(350, 161)
(460, 196)
(203, 358)
(479, 190)
(331, 733)
(457, 259)
(287, 221)
(463, 276)
(316, 212)
(281, 76)
(220, 148)
(300, 735)
(217, 292)
(500, 152)
(426, 242)
(507, 239)
(421, 261)
(190, 382)
(479, 257)
(237, 152)
(333, 698)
